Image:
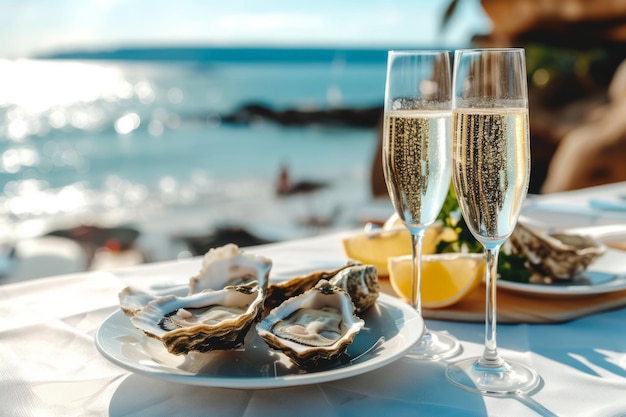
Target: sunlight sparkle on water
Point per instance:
(41, 96)
(127, 123)
(35, 201)
(111, 142)
(38, 86)
(14, 159)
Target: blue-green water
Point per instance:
(142, 143)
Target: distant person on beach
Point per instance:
(284, 184)
(286, 187)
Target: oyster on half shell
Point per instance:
(229, 265)
(133, 300)
(555, 256)
(221, 267)
(314, 327)
(358, 280)
(206, 321)
(277, 292)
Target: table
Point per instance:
(49, 365)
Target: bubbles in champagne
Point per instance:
(490, 168)
(415, 161)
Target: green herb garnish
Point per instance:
(458, 238)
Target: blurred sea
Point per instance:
(140, 142)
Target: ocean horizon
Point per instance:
(229, 54)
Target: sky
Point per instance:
(31, 27)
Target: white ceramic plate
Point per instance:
(607, 274)
(257, 366)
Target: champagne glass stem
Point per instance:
(417, 237)
(432, 346)
(490, 357)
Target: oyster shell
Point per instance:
(314, 327)
(133, 300)
(229, 265)
(221, 267)
(555, 256)
(205, 321)
(281, 291)
(361, 284)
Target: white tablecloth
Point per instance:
(49, 365)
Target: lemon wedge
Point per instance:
(376, 247)
(446, 278)
(432, 236)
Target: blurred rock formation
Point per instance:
(250, 113)
(577, 85)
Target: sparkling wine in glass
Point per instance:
(416, 161)
(490, 172)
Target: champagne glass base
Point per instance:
(434, 346)
(509, 378)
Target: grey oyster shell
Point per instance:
(214, 315)
(555, 256)
(229, 265)
(133, 300)
(277, 292)
(314, 327)
(221, 267)
(358, 280)
(361, 284)
(206, 321)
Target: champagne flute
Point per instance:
(491, 169)
(416, 161)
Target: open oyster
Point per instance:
(229, 265)
(555, 256)
(359, 281)
(133, 300)
(221, 267)
(314, 327)
(209, 320)
(277, 292)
